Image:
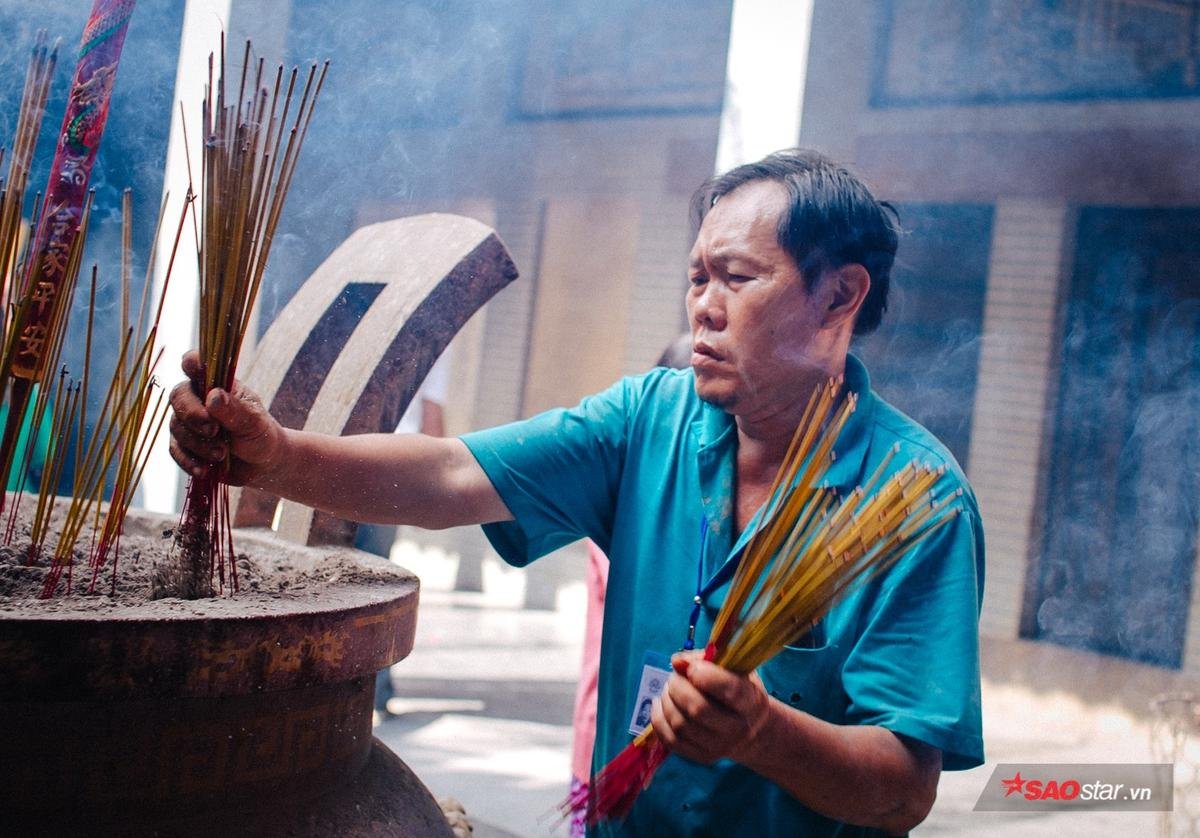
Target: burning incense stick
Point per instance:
(246, 169)
(807, 550)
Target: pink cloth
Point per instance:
(578, 822)
(585, 696)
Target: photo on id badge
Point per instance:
(656, 668)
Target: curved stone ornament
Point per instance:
(348, 352)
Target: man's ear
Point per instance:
(848, 287)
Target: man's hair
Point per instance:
(832, 220)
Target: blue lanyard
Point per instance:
(703, 589)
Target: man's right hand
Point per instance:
(204, 432)
(373, 478)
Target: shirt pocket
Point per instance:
(807, 676)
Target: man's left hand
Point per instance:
(707, 712)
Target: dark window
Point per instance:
(924, 358)
(1119, 539)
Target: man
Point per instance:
(844, 733)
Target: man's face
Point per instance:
(752, 319)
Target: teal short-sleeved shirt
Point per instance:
(637, 468)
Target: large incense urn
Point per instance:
(238, 715)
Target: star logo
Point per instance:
(1013, 786)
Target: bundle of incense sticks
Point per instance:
(130, 419)
(38, 275)
(248, 161)
(56, 240)
(17, 303)
(12, 187)
(110, 450)
(808, 549)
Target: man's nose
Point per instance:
(708, 308)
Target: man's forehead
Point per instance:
(724, 253)
(744, 220)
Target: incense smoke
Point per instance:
(407, 122)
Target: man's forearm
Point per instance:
(864, 775)
(385, 478)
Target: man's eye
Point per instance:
(739, 278)
(697, 280)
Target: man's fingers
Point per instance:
(198, 446)
(683, 726)
(191, 364)
(222, 408)
(232, 429)
(688, 707)
(685, 698)
(735, 704)
(194, 467)
(242, 415)
(662, 722)
(190, 412)
(707, 712)
(717, 683)
(677, 729)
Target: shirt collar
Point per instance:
(850, 451)
(716, 435)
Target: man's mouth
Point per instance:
(705, 350)
(705, 359)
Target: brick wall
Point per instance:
(506, 328)
(1011, 407)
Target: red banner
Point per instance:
(58, 228)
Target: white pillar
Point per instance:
(764, 79)
(1012, 410)
(203, 22)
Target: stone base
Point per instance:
(385, 798)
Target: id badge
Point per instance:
(656, 668)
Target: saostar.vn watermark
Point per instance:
(1104, 787)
